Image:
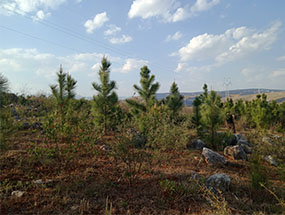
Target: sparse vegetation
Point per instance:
(62, 155)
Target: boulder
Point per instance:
(197, 144)
(235, 152)
(213, 158)
(246, 148)
(218, 182)
(270, 160)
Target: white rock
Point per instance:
(18, 193)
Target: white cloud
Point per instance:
(168, 10)
(113, 29)
(40, 15)
(96, 66)
(175, 36)
(281, 58)
(121, 40)
(97, 22)
(28, 6)
(278, 73)
(232, 44)
(132, 64)
(203, 5)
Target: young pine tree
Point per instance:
(196, 117)
(146, 91)
(63, 91)
(212, 116)
(174, 100)
(105, 102)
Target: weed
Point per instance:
(132, 159)
(108, 207)
(217, 201)
(257, 172)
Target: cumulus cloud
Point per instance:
(97, 22)
(278, 73)
(28, 6)
(132, 64)
(113, 29)
(175, 36)
(203, 5)
(121, 40)
(232, 44)
(40, 15)
(281, 58)
(168, 10)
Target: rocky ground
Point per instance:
(94, 179)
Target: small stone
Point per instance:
(105, 148)
(74, 207)
(18, 193)
(195, 176)
(267, 140)
(271, 160)
(39, 181)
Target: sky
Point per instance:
(227, 44)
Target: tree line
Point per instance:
(146, 113)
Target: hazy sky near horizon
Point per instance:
(193, 42)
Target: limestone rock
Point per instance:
(17, 193)
(270, 160)
(219, 182)
(213, 158)
(197, 144)
(235, 152)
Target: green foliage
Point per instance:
(257, 171)
(130, 161)
(63, 91)
(6, 124)
(59, 124)
(196, 116)
(105, 103)
(146, 91)
(3, 89)
(212, 116)
(174, 100)
(160, 131)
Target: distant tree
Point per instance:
(212, 116)
(147, 92)
(196, 117)
(174, 100)
(105, 103)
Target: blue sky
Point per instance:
(190, 41)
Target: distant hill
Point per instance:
(245, 94)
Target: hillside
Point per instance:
(244, 94)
